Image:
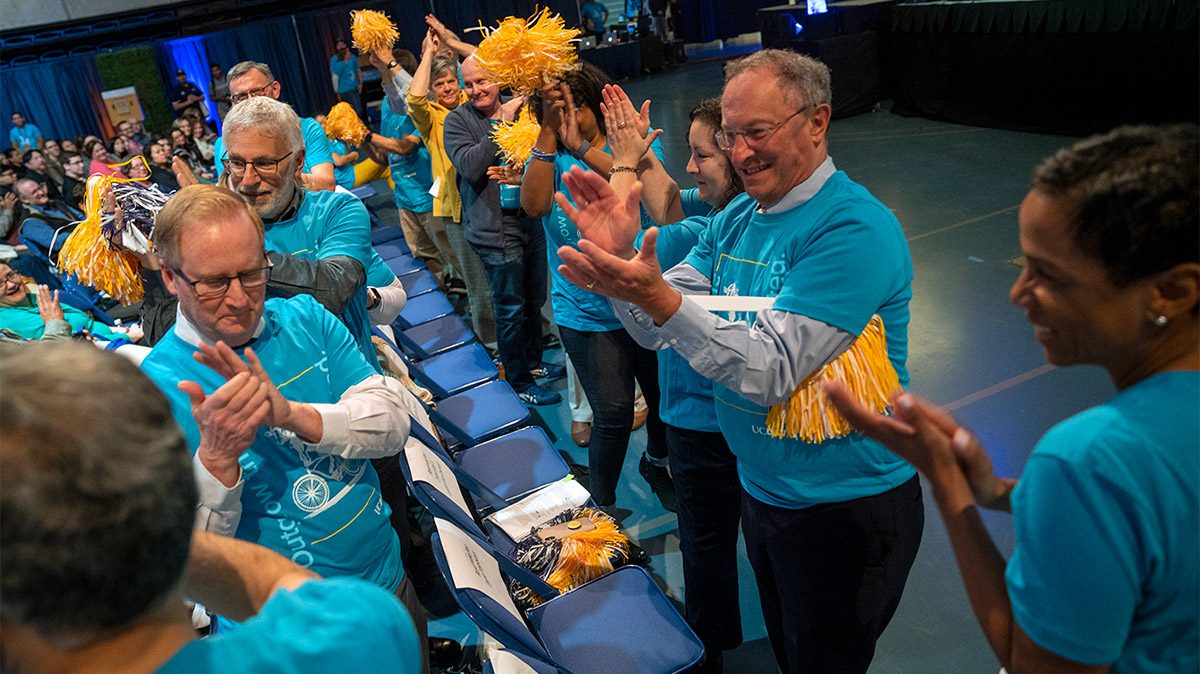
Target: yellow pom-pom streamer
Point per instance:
(580, 557)
(864, 369)
(369, 29)
(89, 255)
(516, 139)
(528, 54)
(342, 123)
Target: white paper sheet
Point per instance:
(472, 567)
(540, 507)
(428, 467)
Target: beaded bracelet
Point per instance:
(621, 169)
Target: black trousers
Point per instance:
(710, 507)
(830, 576)
(607, 363)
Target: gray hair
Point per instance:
(265, 116)
(441, 65)
(802, 76)
(97, 496)
(246, 66)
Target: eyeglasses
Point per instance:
(263, 167)
(754, 136)
(247, 95)
(10, 277)
(217, 286)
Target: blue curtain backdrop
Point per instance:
(61, 98)
(188, 54)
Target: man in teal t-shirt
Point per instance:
(250, 79)
(319, 243)
(347, 78)
(87, 574)
(294, 476)
(831, 527)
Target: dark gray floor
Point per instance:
(955, 190)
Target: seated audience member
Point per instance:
(606, 359)
(41, 316)
(703, 469)
(8, 179)
(9, 215)
(69, 145)
(158, 158)
(832, 524)
(16, 159)
(1103, 575)
(183, 147)
(97, 503)
(201, 137)
(47, 223)
(118, 150)
(250, 79)
(319, 242)
(125, 130)
(35, 169)
(286, 467)
(74, 172)
(140, 134)
(100, 161)
(53, 153)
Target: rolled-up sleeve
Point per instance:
(219, 509)
(367, 422)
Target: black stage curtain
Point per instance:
(1072, 67)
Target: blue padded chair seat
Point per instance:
(418, 283)
(389, 233)
(403, 264)
(392, 249)
(433, 337)
(516, 463)
(424, 308)
(482, 412)
(587, 630)
(456, 370)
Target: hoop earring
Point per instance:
(1161, 321)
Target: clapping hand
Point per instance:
(931, 440)
(48, 306)
(629, 137)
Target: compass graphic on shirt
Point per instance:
(310, 492)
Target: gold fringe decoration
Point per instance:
(572, 560)
(864, 369)
(369, 29)
(88, 254)
(528, 54)
(516, 139)
(342, 123)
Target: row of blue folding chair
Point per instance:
(621, 621)
(474, 415)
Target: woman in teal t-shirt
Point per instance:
(41, 317)
(1105, 573)
(605, 357)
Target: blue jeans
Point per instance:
(517, 274)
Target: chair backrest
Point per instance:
(475, 580)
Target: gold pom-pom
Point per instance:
(93, 260)
(864, 369)
(342, 123)
(369, 29)
(528, 54)
(516, 139)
